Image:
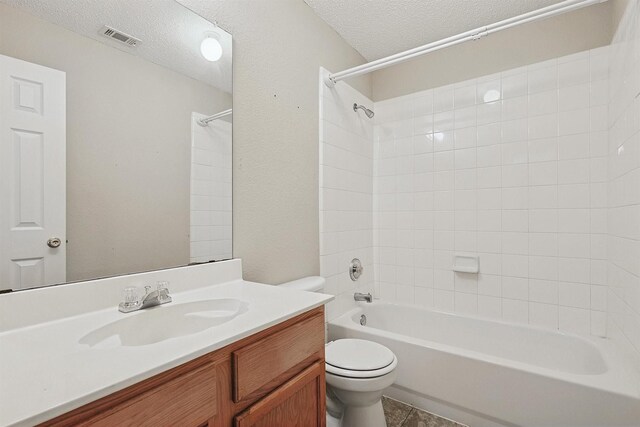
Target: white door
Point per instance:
(32, 174)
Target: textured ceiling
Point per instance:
(378, 28)
(171, 34)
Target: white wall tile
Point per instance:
(489, 112)
(516, 108)
(574, 295)
(542, 79)
(573, 72)
(543, 103)
(346, 191)
(443, 99)
(574, 97)
(545, 126)
(511, 167)
(544, 173)
(544, 291)
(574, 320)
(543, 150)
(443, 300)
(543, 244)
(574, 121)
(489, 307)
(466, 303)
(514, 85)
(543, 267)
(543, 315)
(515, 311)
(489, 134)
(575, 146)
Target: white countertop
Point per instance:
(45, 371)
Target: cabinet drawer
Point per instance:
(187, 400)
(264, 365)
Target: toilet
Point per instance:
(357, 373)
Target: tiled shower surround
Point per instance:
(536, 170)
(210, 227)
(511, 167)
(346, 194)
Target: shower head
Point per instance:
(367, 111)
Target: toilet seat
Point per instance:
(355, 358)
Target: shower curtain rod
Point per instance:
(545, 12)
(206, 120)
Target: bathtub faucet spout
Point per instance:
(362, 297)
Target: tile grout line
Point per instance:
(408, 415)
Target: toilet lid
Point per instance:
(358, 355)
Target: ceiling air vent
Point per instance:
(119, 36)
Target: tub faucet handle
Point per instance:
(355, 269)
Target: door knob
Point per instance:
(54, 242)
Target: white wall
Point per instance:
(510, 167)
(279, 46)
(346, 193)
(624, 183)
(211, 169)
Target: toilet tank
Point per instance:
(309, 284)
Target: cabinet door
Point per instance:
(188, 400)
(299, 402)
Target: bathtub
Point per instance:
(487, 373)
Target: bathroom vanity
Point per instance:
(273, 378)
(224, 352)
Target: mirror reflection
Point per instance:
(115, 139)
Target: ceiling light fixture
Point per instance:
(211, 48)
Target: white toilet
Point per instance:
(357, 372)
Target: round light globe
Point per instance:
(491, 95)
(211, 49)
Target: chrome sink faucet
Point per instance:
(362, 297)
(133, 301)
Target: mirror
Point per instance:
(115, 139)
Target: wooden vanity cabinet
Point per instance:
(297, 403)
(273, 378)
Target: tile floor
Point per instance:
(400, 414)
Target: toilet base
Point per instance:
(360, 398)
(364, 416)
(356, 416)
(333, 421)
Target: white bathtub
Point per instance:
(488, 373)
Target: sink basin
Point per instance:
(165, 322)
